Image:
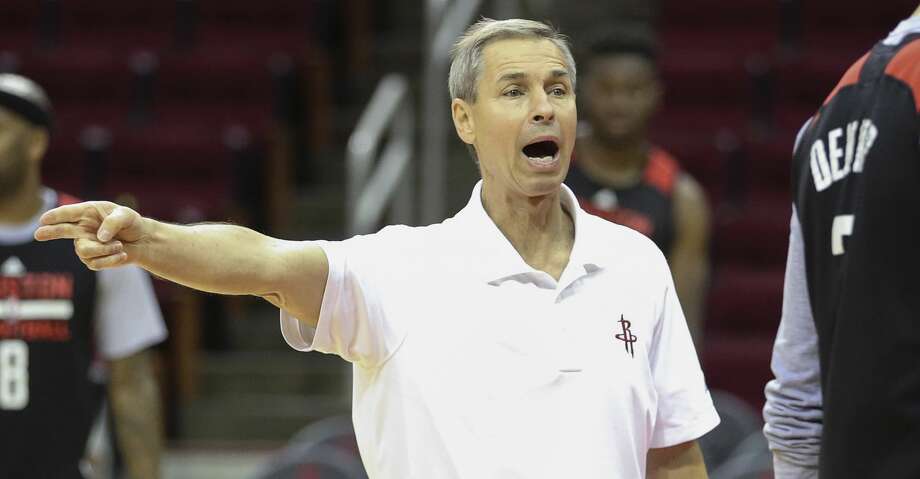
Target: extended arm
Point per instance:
(217, 258)
(683, 461)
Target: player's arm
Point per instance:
(683, 461)
(135, 404)
(793, 414)
(217, 258)
(689, 257)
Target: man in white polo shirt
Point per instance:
(522, 338)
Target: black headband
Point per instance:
(29, 110)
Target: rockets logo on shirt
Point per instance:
(34, 306)
(627, 336)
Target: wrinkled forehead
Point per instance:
(522, 55)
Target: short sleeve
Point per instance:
(685, 409)
(127, 316)
(353, 323)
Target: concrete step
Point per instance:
(273, 372)
(209, 460)
(252, 324)
(256, 416)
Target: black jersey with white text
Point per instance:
(647, 206)
(855, 179)
(48, 397)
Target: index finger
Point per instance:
(65, 214)
(61, 231)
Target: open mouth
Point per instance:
(542, 155)
(541, 150)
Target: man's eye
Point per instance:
(513, 92)
(558, 91)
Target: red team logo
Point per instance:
(34, 306)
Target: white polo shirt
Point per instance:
(470, 364)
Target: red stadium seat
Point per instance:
(739, 363)
(710, 14)
(727, 43)
(688, 79)
(744, 300)
(213, 75)
(755, 233)
(79, 75)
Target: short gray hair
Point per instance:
(466, 55)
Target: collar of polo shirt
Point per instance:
(497, 258)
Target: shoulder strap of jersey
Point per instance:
(878, 59)
(905, 65)
(661, 171)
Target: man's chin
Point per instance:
(543, 184)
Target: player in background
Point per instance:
(845, 401)
(619, 175)
(67, 334)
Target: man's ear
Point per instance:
(462, 113)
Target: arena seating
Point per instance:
(166, 80)
(181, 108)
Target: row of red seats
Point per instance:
(121, 67)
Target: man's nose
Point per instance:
(543, 110)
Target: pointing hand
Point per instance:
(105, 235)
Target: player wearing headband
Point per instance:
(65, 332)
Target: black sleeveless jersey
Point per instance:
(646, 207)
(856, 177)
(48, 399)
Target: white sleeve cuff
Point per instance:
(298, 335)
(689, 429)
(302, 336)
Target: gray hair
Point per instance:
(466, 55)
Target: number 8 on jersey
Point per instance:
(14, 374)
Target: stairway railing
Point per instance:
(374, 182)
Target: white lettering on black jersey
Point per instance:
(843, 152)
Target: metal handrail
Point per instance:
(390, 110)
(372, 184)
(446, 22)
